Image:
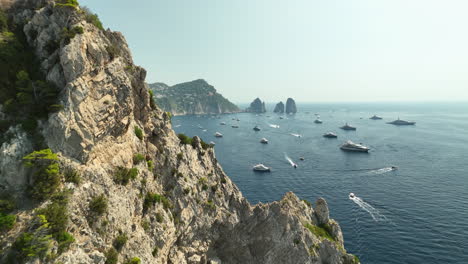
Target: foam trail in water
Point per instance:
(274, 126)
(382, 170)
(177, 126)
(376, 215)
(290, 160)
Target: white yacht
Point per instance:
(264, 141)
(330, 135)
(375, 117)
(223, 123)
(318, 121)
(347, 127)
(351, 146)
(400, 122)
(217, 134)
(261, 167)
(256, 128)
(212, 143)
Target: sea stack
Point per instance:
(257, 106)
(291, 106)
(279, 108)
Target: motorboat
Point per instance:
(351, 146)
(318, 121)
(301, 158)
(330, 135)
(400, 122)
(375, 117)
(264, 141)
(217, 134)
(261, 167)
(352, 196)
(281, 117)
(212, 143)
(348, 127)
(235, 126)
(394, 167)
(223, 123)
(256, 128)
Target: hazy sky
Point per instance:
(328, 50)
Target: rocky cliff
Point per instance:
(257, 106)
(195, 97)
(279, 108)
(291, 106)
(116, 185)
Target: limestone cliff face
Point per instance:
(257, 106)
(279, 108)
(291, 106)
(190, 98)
(105, 98)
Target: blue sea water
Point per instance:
(416, 214)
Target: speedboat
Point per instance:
(256, 128)
(318, 121)
(348, 127)
(400, 122)
(375, 117)
(223, 123)
(352, 196)
(351, 146)
(235, 126)
(217, 134)
(330, 135)
(264, 141)
(261, 167)
(394, 167)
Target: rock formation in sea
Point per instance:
(291, 106)
(195, 97)
(92, 172)
(279, 108)
(257, 106)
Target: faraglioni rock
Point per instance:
(279, 108)
(291, 106)
(257, 106)
(99, 176)
(195, 97)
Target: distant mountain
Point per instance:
(195, 97)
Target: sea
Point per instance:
(415, 214)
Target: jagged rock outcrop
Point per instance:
(200, 216)
(279, 108)
(189, 98)
(291, 106)
(257, 106)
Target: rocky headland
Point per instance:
(94, 172)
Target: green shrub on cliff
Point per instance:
(134, 260)
(124, 175)
(46, 174)
(322, 231)
(112, 256)
(7, 221)
(138, 132)
(92, 18)
(67, 3)
(98, 205)
(3, 21)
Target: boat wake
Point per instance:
(376, 215)
(290, 161)
(296, 135)
(381, 170)
(274, 126)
